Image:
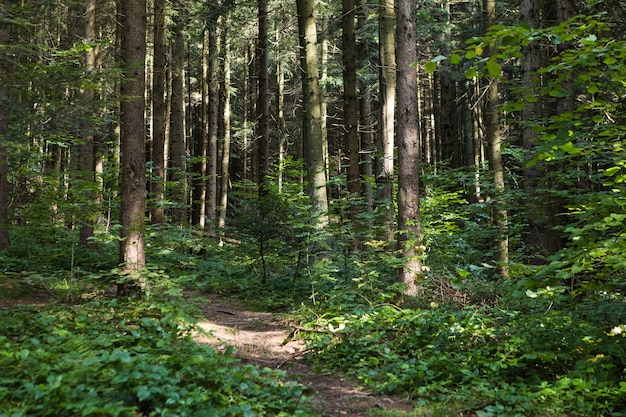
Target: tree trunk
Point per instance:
(201, 146)
(280, 110)
(409, 238)
(213, 110)
(350, 107)
(133, 151)
(158, 115)
(263, 106)
(5, 70)
(225, 162)
(178, 143)
(385, 165)
(491, 120)
(312, 129)
(86, 163)
(365, 110)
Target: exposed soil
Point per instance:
(263, 339)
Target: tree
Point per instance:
(313, 132)
(133, 151)
(385, 165)
(225, 162)
(351, 104)
(263, 103)
(494, 154)
(158, 114)
(5, 243)
(212, 123)
(178, 142)
(408, 150)
(86, 164)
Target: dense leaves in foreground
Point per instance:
(104, 358)
(545, 359)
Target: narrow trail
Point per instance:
(262, 339)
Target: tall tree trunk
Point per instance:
(5, 242)
(385, 166)
(225, 162)
(409, 238)
(263, 103)
(538, 234)
(245, 140)
(350, 106)
(213, 110)
(365, 109)
(133, 150)
(158, 114)
(280, 110)
(312, 130)
(5, 70)
(178, 143)
(491, 120)
(201, 146)
(86, 163)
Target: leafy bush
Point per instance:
(494, 361)
(108, 359)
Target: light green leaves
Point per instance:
(493, 68)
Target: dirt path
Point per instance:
(261, 338)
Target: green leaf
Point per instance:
(430, 66)
(609, 172)
(462, 272)
(494, 68)
(531, 294)
(470, 73)
(455, 59)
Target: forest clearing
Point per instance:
(357, 208)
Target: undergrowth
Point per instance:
(85, 352)
(493, 360)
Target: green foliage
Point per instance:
(127, 359)
(493, 361)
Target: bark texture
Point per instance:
(133, 151)
(312, 130)
(408, 150)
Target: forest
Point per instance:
(430, 195)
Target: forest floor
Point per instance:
(263, 339)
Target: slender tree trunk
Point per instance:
(86, 163)
(282, 122)
(213, 110)
(350, 106)
(409, 237)
(5, 242)
(365, 110)
(312, 130)
(133, 150)
(263, 103)
(201, 146)
(385, 165)
(491, 121)
(245, 140)
(537, 236)
(178, 143)
(5, 70)
(158, 114)
(225, 162)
